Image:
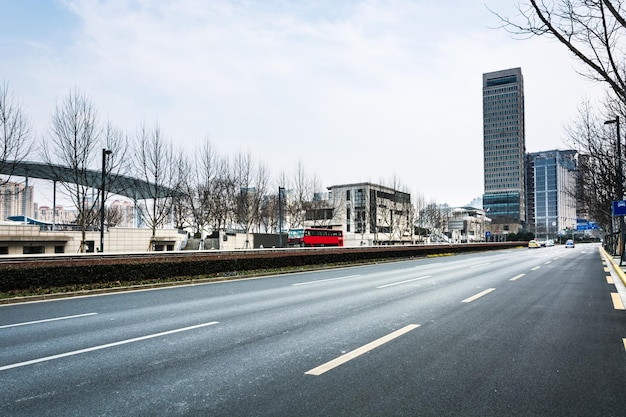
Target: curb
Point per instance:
(616, 267)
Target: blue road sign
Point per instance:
(619, 208)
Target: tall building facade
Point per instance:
(504, 149)
(552, 189)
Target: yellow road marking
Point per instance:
(606, 269)
(609, 279)
(617, 301)
(360, 351)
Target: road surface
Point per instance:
(525, 332)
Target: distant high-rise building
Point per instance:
(57, 216)
(504, 148)
(16, 200)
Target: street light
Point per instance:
(620, 184)
(281, 191)
(105, 153)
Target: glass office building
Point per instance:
(504, 147)
(552, 184)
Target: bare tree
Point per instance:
(223, 203)
(74, 143)
(435, 218)
(269, 213)
(250, 181)
(597, 168)
(16, 139)
(592, 31)
(243, 190)
(155, 163)
(320, 211)
(301, 194)
(115, 145)
(396, 211)
(419, 205)
(113, 216)
(181, 203)
(207, 173)
(262, 178)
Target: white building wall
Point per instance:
(14, 237)
(354, 215)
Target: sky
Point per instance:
(385, 91)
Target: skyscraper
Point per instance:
(504, 149)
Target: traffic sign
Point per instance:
(619, 208)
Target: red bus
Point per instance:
(315, 237)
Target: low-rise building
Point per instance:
(17, 238)
(467, 224)
(368, 214)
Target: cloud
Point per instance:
(356, 90)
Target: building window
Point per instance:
(29, 250)
(90, 246)
(4, 250)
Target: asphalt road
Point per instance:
(508, 333)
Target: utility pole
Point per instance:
(281, 190)
(620, 186)
(105, 153)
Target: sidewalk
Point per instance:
(617, 273)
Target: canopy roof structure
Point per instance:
(132, 188)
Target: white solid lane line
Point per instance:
(403, 282)
(323, 280)
(6, 326)
(108, 345)
(360, 351)
(477, 296)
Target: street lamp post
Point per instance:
(281, 190)
(620, 184)
(105, 153)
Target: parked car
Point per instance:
(569, 243)
(533, 244)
